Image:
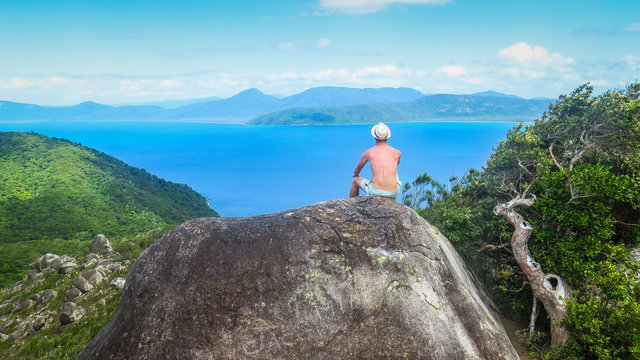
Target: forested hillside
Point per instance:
(442, 107)
(569, 187)
(55, 189)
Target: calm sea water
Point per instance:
(251, 170)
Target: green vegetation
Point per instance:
(580, 163)
(428, 108)
(53, 188)
(56, 195)
(50, 342)
(14, 257)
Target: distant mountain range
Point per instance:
(172, 104)
(321, 105)
(442, 107)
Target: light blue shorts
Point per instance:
(367, 186)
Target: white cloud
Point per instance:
(328, 75)
(383, 71)
(526, 73)
(16, 83)
(137, 87)
(169, 84)
(372, 76)
(323, 43)
(603, 83)
(52, 81)
(57, 80)
(454, 70)
(371, 6)
(286, 47)
(522, 53)
(632, 27)
(632, 62)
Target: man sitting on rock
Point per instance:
(384, 161)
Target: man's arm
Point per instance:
(361, 164)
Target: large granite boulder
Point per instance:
(45, 296)
(82, 284)
(72, 293)
(50, 261)
(118, 283)
(362, 278)
(100, 245)
(93, 276)
(70, 312)
(67, 267)
(89, 260)
(23, 305)
(45, 261)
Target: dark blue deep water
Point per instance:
(250, 170)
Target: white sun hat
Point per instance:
(380, 131)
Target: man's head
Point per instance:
(380, 132)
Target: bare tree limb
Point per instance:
(523, 167)
(550, 289)
(556, 161)
(579, 155)
(533, 318)
(502, 248)
(626, 224)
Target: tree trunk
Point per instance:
(549, 289)
(534, 317)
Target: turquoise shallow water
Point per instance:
(251, 170)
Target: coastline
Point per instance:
(257, 125)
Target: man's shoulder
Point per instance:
(387, 148)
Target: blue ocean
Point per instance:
(251, 170)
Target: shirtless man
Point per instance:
(384, 161)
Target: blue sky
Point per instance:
(116, 52)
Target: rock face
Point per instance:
(362, 278)
(72, 293)
(67, 267)
(51, 261)
(118, 283)
(100, 245)
(23, 305)
(82, 284)
(89, 260)
(45, 261)
(45, 296)
(70, 312)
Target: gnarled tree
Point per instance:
(569, 188)
(574, 128)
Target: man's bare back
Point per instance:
(384, 161)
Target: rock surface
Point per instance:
(45, 261)
(72, 293)
(45, 296)
(118, 283)
(82, 284)
(362, 278)
(50, 261)
(93, 276)
(90, 259)
(23, 305)
(70, 312)
(101, 245)
(67, 267)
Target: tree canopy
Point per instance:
(579, 167)
(55, 189)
